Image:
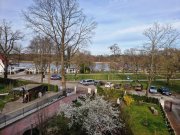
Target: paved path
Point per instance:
(19, 127)
(18, 104)
(174, 122)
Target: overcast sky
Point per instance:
(119, 21)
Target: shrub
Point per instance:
(2, 103)
(51, 87)
(100, 90)
(128, 100)
(96, 116)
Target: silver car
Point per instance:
(153, 89)
(87, 82)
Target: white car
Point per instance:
(153, 89)
(108, 85)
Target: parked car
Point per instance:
(165, 91)
(87, 82)
(153, 89)
(127, 86)
(108, 85)
(128, 78)
(117, 86)
(56, 77)
(97, 82)
(138, 87)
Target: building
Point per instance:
(71, 70)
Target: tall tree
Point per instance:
(64, 22)
(8, 38)
(133, 57)
(158, 36)
(170, 63)
(41, 48)
(116, 51)
(18, 50)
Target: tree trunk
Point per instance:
(168, 78)
(63, 81)
(6, 68)
(42, 76)
(151, 72)
(149, 85)
(49, 73)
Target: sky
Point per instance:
(119, 22)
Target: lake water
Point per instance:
(97, 66)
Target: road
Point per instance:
(37, 78)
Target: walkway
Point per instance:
(174, 117)
(18, 104)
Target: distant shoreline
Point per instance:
(52, 62)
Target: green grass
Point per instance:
(138, 114)
(107, 76)
(5, 99)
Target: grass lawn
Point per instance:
(107, 76)
(138, 114)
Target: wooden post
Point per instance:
(170, 109)
(75, 89)
(95, 91)
(89, 90)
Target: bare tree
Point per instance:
(116, 51)
(83, 60)
(169, 64)
(159, 36)
(18, 50)
(8, 38)
(41, 47)
(133, 59)
(64, 22)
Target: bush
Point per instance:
(100, 90)
(146, 99)
(51, 87)
(2, 104)
(58, 124)
(128, 100)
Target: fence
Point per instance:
(6, 119)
